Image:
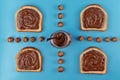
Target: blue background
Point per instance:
(72, 9)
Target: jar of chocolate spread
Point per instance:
(60, 39)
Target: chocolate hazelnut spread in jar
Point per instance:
(60, 39)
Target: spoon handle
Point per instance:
(51, 38)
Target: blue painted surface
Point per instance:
(72, 9)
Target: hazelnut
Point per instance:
(10, 39)
(60, 7)
(60, 53)
(60, 24)
(89, 38)
(98, 39)
(25, 39)
(60, 61)
(60, 69)
(114, 39)
(80, 38)
(60, 16)
(107, 39)
(41, 39)
(32, 39)
(17, 39)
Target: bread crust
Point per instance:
(29, 30)
(39, 55)
(93, 72)
(104, 28)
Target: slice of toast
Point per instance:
(29, 59)
(93, 60)
(28, 19)
(93, 17)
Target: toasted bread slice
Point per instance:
(93, 17)
(28, 55)
(29, 20)
(91, 61)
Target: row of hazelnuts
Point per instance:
(98, 39)
(60, 15)
(24, 39)
(60, 61)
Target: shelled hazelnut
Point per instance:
(25, 39)
(80, 38)
(60, 53)
(10, 39)
(32, 39)
(60, 24)
(98, 39)
(60, 16)
(114, 39)
(41, 39)
(107, 39)
(60, 69)
(60, 61)
(17, 39)
(60, 7)
(89, 38)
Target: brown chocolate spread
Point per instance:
(28, 19)
(28, 60)
(93, 61)
(93, 18)
(60, 39)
